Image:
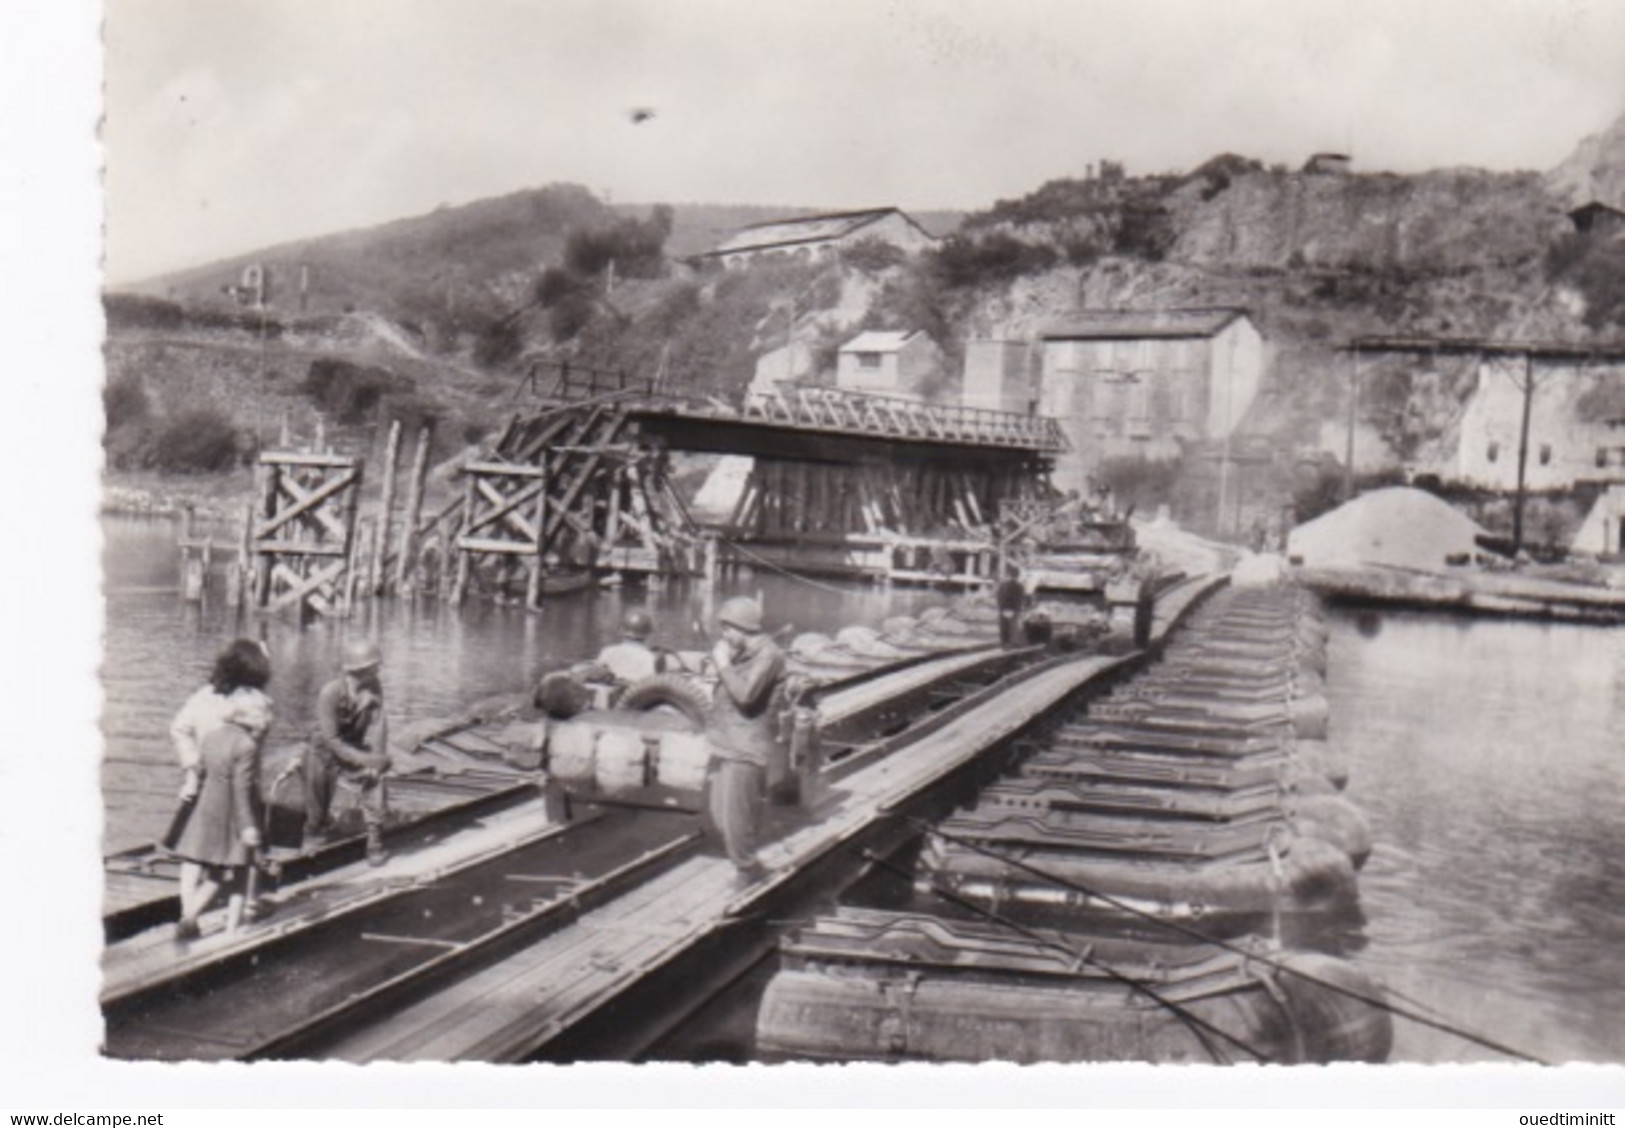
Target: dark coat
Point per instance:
(228, 801)
(743, 723)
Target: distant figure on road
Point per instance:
(750, 673)
(350, 746)
(222, 830)
(1011, 599)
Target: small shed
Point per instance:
(1329, 164)
(817, 237)
(1597, 218)
(904, 363)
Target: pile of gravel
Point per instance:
(1401, 527)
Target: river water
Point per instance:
(437, 659)
(1487, 755)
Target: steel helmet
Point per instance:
(636, 625)
(741, 612)
(361, 654)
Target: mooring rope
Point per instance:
(1196, 934)
(798, 576)
(1199, 1025)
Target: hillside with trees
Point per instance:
(443, 317)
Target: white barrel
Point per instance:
(621, 764)
(571, 747)
(681, 760)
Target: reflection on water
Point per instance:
(1486, 754)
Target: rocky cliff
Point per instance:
(1594, 171)
(1319, 258)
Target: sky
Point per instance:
(235, 124)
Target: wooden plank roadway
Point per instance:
(152, 957)
(510, 1008)
(849, 701)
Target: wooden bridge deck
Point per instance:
(548, 996)
(508, 1010)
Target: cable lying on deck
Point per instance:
(1199, 1026)
(1195, 934)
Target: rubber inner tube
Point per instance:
(674, 691)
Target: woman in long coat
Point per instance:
(223, 829)
(241, 670)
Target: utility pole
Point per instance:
(1523, 451)
(1224, 524)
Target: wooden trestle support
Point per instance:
(581, 488)
(785, 499)
(916, 521)
(303, 537)
(566, 493)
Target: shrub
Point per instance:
(1054, 201)
(1596, 268)
(349, 392)
(1217, 173)
(636, 247)
(1145, 230)
(498, 343)
(199, 441)
(570, 298)
(137, 311)
(964, 262)
(124, 402)
(872, 255)
(1140, 482)
(1318, 491)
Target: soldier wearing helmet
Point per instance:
(750, 675)
(631, 659)
(350, 748)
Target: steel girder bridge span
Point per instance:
(840, 482)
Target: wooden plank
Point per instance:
(459, 589)
(377, 578)
(405, 564)
(533, 593)
(505, 470)
(150, 959)
(300, 548)
(266, 504)
(296, 458)
(467, 545)
(567, 499)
